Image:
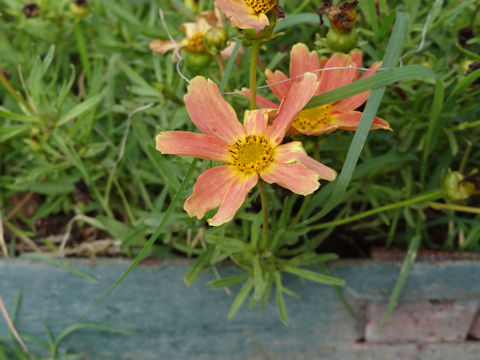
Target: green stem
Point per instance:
(82, 50)
(437, 194)
(253, 75)
(453, 207)
(465, 125)
(263, 197)
(14, 93)
(300, 212)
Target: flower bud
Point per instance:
(457, 187)
(191, 5)
(215, 39)
(343, 41)
(79, 9)
(197, 59)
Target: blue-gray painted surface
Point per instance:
(176, 322)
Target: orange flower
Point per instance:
(326, 118)
(247, 14)
(250, 150)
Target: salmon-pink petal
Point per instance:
(255, 121)
(294, 177)
(335, 78)
(233, 199)
(161, 46)
(260, 100)
(353, 102)
(189, 29)
(351, 119)
(240, 15)
(209, 190)
(210, 112)
(279, 90)
(298, 96)
(192, 144)
(302, 60)
(294, 152)
(322, 62)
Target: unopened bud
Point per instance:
(197, 59)
(79, 9)
(215, 39)
(343, 41)
(457, 187)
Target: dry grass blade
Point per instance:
(12, 328)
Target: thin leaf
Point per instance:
(58, 263)
(227, 281)
(240, 299)
(81, 326)
(402, 278)
(313, 276)
(257, 278)
(198, 267)
(81, 108)
(282, 309)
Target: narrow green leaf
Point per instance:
(198, 267)
(154, 236)
(229, 66)
(402, 278)
(313, 276)
(58, 263)
(257, 278)
(394, 48)
(82, 326)
(227, 281)
(240, 299)
(5, 113)
(282, 309)
(461, 86)
(81, 108)
(223, 240)
(296, 19)
(370, 12)
(377, 81)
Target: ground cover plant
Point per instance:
(88, 87)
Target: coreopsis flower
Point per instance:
(248, 14)
(251, 150)
(326, 118)
(194, 33)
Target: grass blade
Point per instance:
(394, 49)
(282, 308)
(242, 295)
(154, 236)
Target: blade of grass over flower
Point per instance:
(377, 81)
(296, 19)
(154, 236)
(229, 66)
(402, 278)
(392, 53)
(58, 263)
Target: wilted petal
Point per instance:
(302, 60)
(298, 96)
(192, 144)
(350, 121)
(233, 198)
(161, 46)
(210, 112)
(294, 177)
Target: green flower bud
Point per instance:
(197, 59)
(191, 5)
(215, 39)
(79, 9)
(457, 187)
(341, 41)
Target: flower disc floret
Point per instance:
(260, 6)
(251, 154)
(195, 43)
(313, 119)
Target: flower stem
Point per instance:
(263, 197)
(14, 93)
(453, 207)
(253, 75)
(437, 194)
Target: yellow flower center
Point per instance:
(313, 119)
(195, 43)
(251, 154)
(261, 6)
